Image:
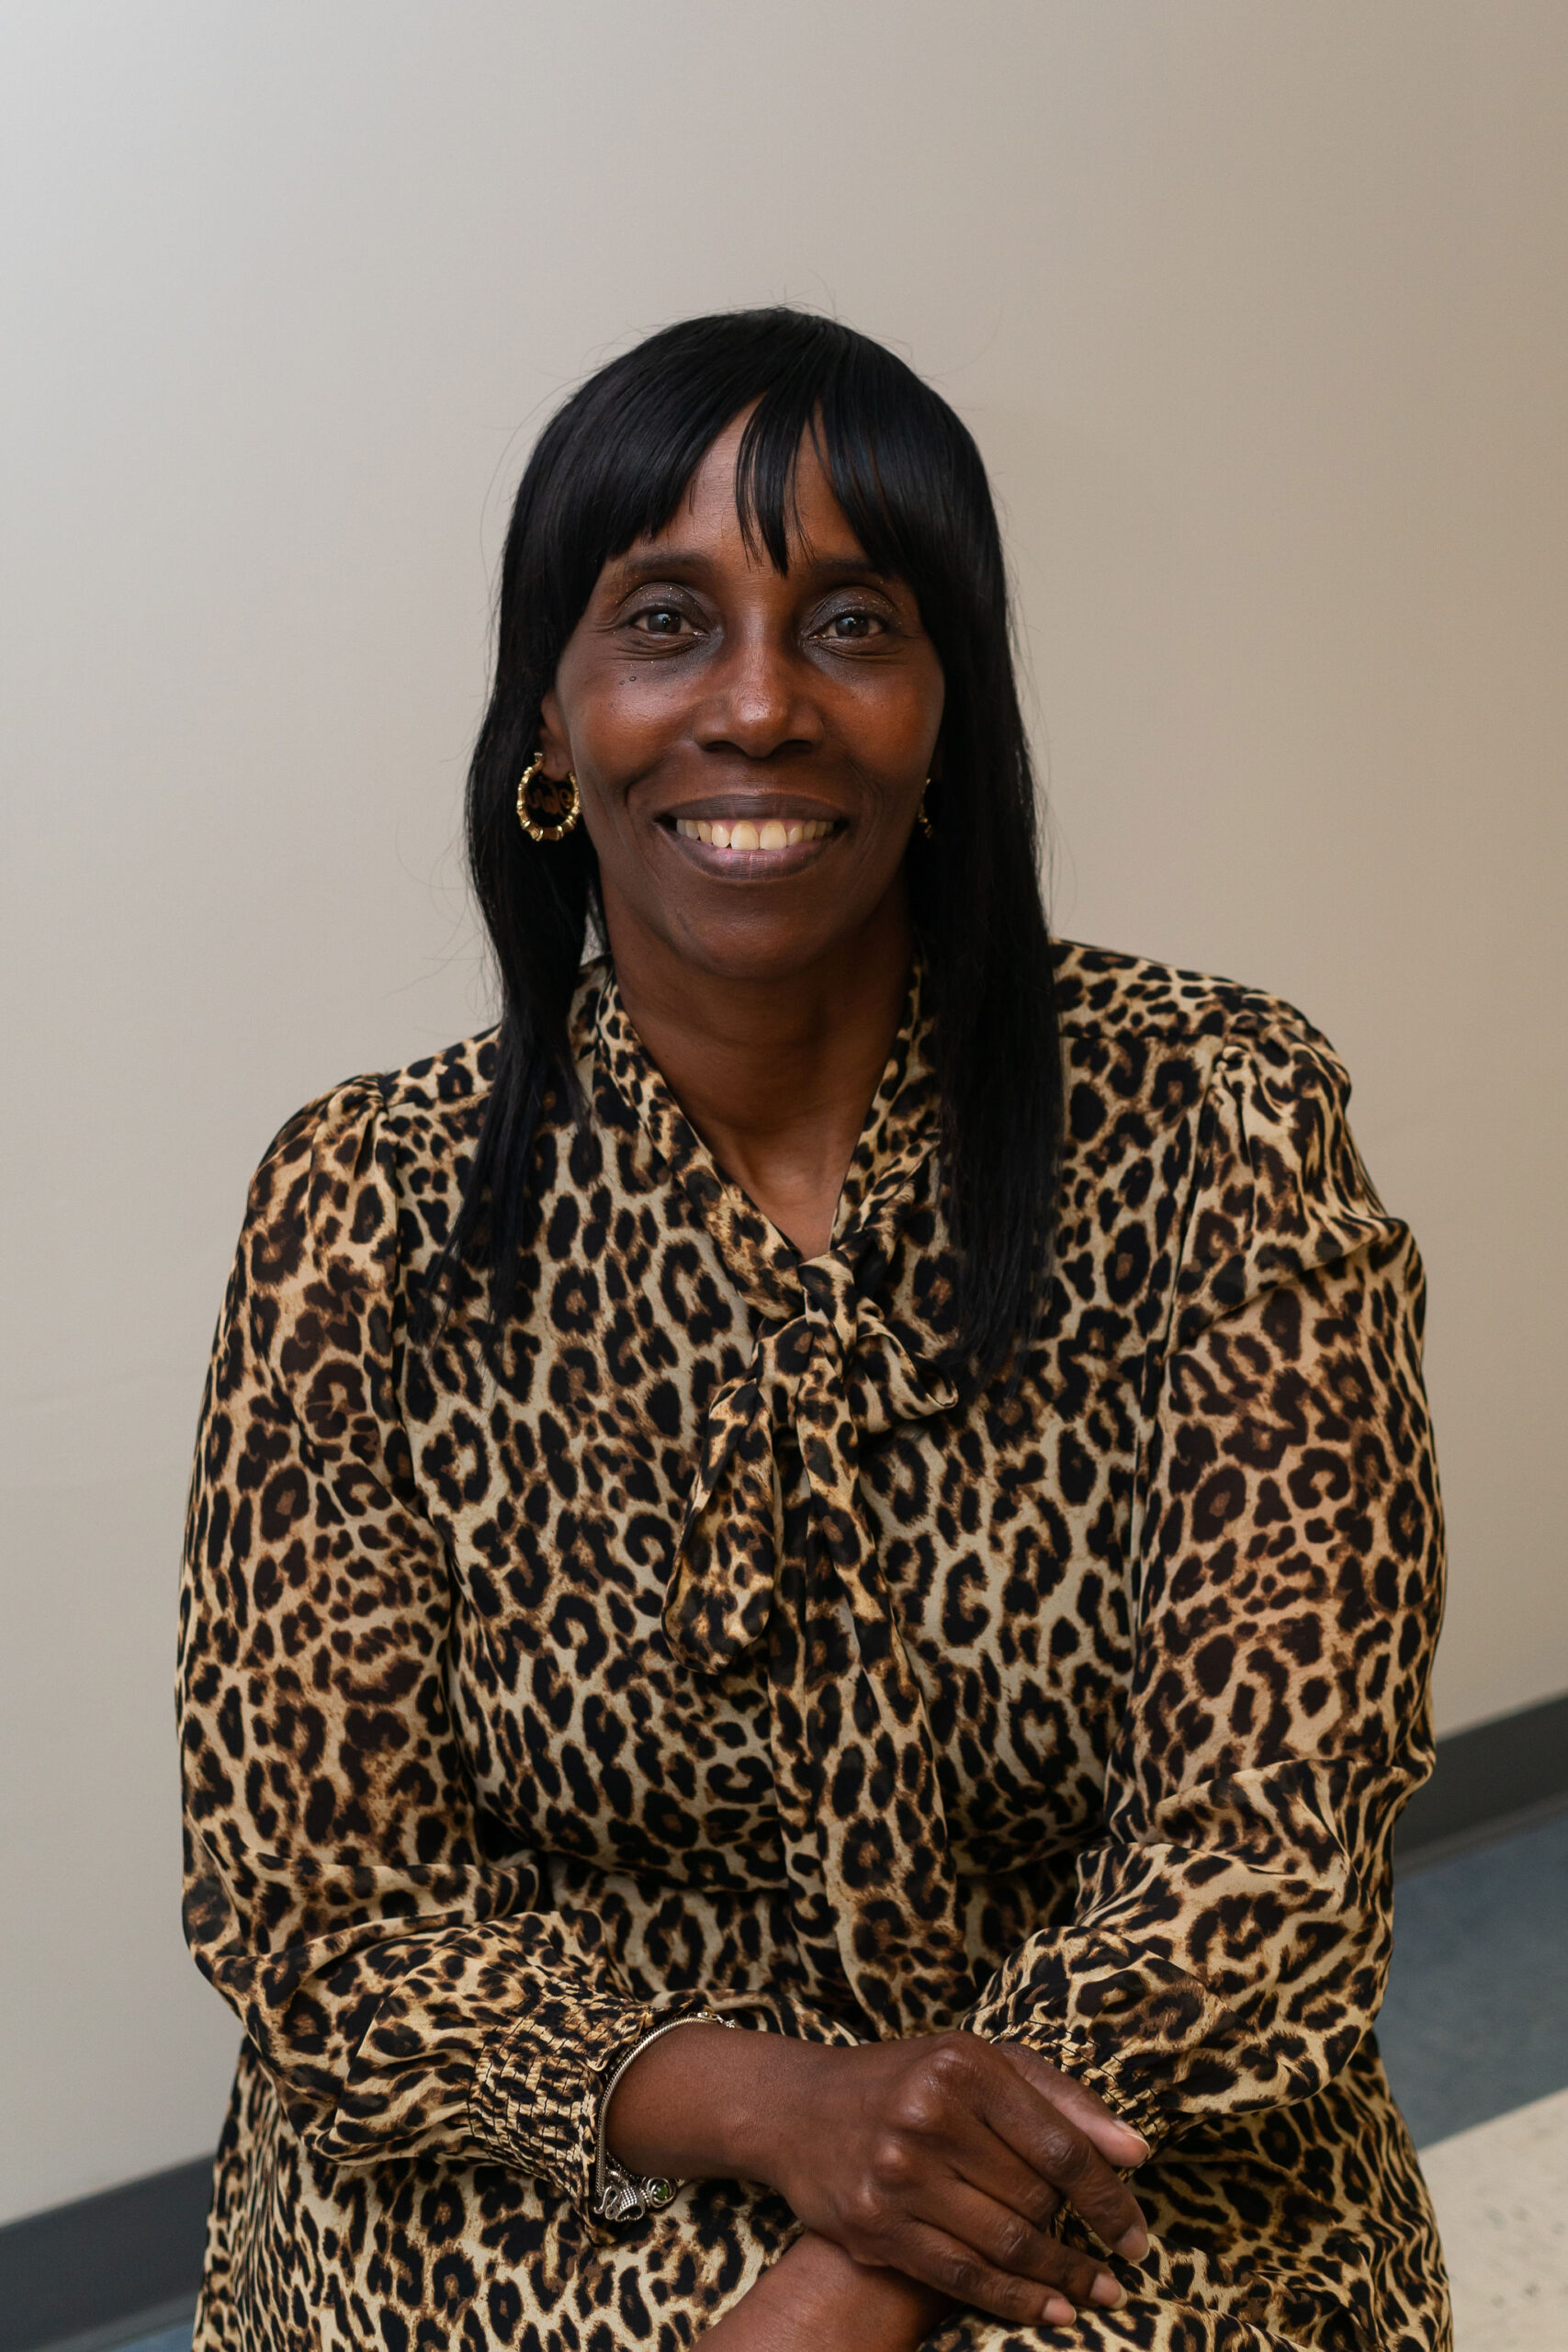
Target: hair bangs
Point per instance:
(611, 468)
(892, 453)
(637, 435)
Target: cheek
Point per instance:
(620, 852)
(614, 740)
(609, 728)
(898, 725)
(609, 712)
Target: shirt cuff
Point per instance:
(535, 2098)
(1031, 2006)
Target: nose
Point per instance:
(758, 699)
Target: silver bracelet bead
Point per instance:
(620, 2195)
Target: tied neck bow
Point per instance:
(777, 1555)
(834, 1373)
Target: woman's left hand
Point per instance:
(817, 2298)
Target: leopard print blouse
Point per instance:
(705, 1647)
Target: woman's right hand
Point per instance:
(945, 2158)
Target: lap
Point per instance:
(1306, 2229)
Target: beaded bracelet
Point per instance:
(620, 2195)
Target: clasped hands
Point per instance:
(927, 2172)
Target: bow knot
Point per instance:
(873, 1895)
(832, 1372)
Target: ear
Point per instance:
(554, 742)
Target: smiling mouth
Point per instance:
(770, 833)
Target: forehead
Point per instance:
(707, 513)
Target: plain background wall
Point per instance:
(1258, 314)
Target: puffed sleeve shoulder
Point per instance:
(393, 1956)
(1231, 1937)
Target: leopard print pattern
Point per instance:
(704, 1646)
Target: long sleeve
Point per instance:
(1232, 1930)
(392, 1958)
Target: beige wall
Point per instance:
(1259, 313)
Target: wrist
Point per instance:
(770, 2108)
(831, 2297)
(707, 2102)
(620, 2193)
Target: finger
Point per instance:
(1065, 2157)
(974, 2152)
(1068, 2159)
(957, 2267)
(1118, 2141)
(990, 2165)
(1013, 2244)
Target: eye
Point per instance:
(658, 620)
(852, 627)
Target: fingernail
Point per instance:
(1136, 2139)
(1058, 2312)
(1107, 2292)
(1134, 2245)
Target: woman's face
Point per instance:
(750, 745)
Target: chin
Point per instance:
(788, 931)
(759, 961)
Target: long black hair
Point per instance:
(609, 469)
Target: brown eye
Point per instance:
(659, 620)
(849, 628)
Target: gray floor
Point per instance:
(1476, 2019)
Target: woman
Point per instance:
(812, 1567)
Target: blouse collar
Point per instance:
(892, 1161)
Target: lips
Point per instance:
(736, 837)
(765, 833)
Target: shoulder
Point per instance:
(1179, 1082)
(1174, 1078)
(340, 1174)
(428, 1115)
(1147, 1038)
(437, 1100)
(1108, 998)
(375, 1166)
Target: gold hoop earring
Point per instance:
(535, 830)
(922, 815)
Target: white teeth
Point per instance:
(772, 834)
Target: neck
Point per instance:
(776, 1074)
